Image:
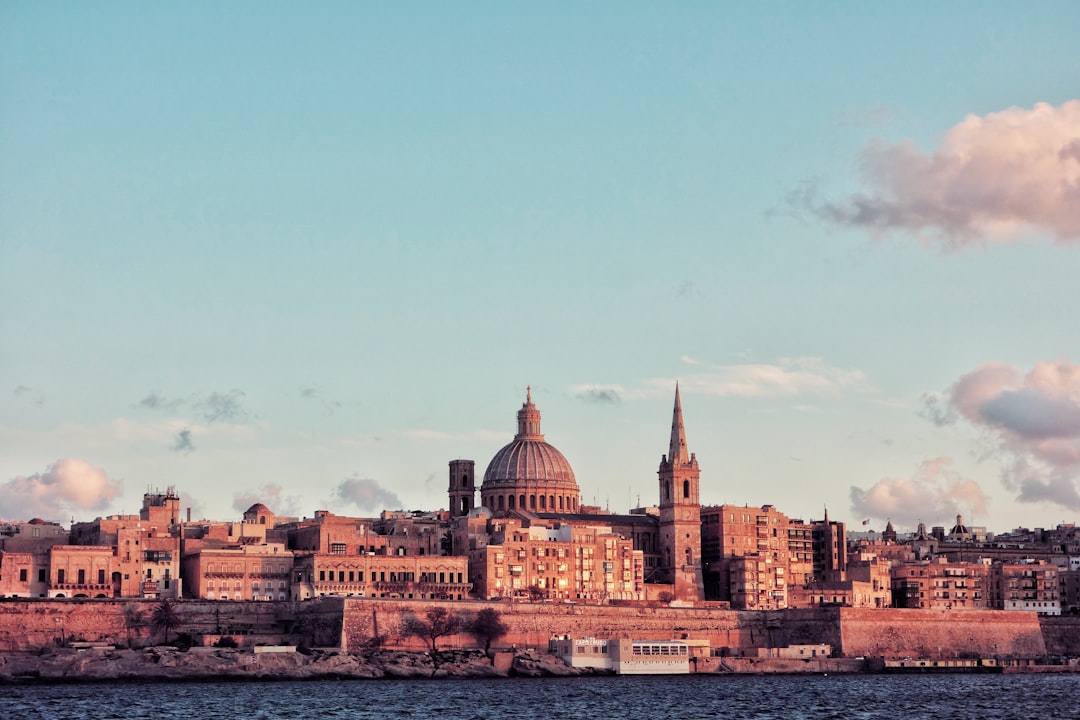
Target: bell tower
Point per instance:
(680, 514)
(462, 487)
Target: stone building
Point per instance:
(398, 555)
(941, 584)
(530, 496)
(239, 572)
(146, 548)
(754, 555)
(559, 562)
(25, 556)
(1030, 585)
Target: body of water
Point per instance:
(947, 697)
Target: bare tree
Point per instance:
(437, 622)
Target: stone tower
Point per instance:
(680, 514)
(462, 487)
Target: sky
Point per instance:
(306, 254)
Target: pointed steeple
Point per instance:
(677, 452)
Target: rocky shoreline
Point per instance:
(167, 664)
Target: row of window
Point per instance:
(546, 502)
(358, 576)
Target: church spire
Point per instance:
(677, 452)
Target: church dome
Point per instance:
(529, 460)
(529, 473)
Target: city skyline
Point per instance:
(306, 257)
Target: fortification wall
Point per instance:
(531, 625)
(1062, 634)
(32, 624)
(940, 633)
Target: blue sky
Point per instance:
(307, 255)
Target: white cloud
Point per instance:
(784, 378)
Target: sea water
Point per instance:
(948, 697)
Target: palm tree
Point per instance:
(165, 617)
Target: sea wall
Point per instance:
(896, 633)
(1062, 634)
(33, 624)
(359, 624)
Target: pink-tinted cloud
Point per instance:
(69, 486)
(935, 493)
(993, 177)
(1034, 419)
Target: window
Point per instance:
(22, 574)
(100, 577)
(41, 575)
(60, 576)
(337, 548)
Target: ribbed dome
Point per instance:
(525, 461)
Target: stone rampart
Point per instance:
(532, 624)
(32, 624)
(1062, 634)
(899, 633)
(355, 622)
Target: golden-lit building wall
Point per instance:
(80, 571)
(941, 585)
(565, 563)
(757, 582)
(24, 574)
(247, 572)
(800, 548)
(329, 533)
(1031, 586)
(422, 577)
(732, 532)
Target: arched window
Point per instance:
(551, 502)
(464, 481)
(532, 502)
(543, 502)
(521, 502)
(560, 502)
(686, 488)
(510, 501)
(500, 502)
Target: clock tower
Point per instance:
(680, 515)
